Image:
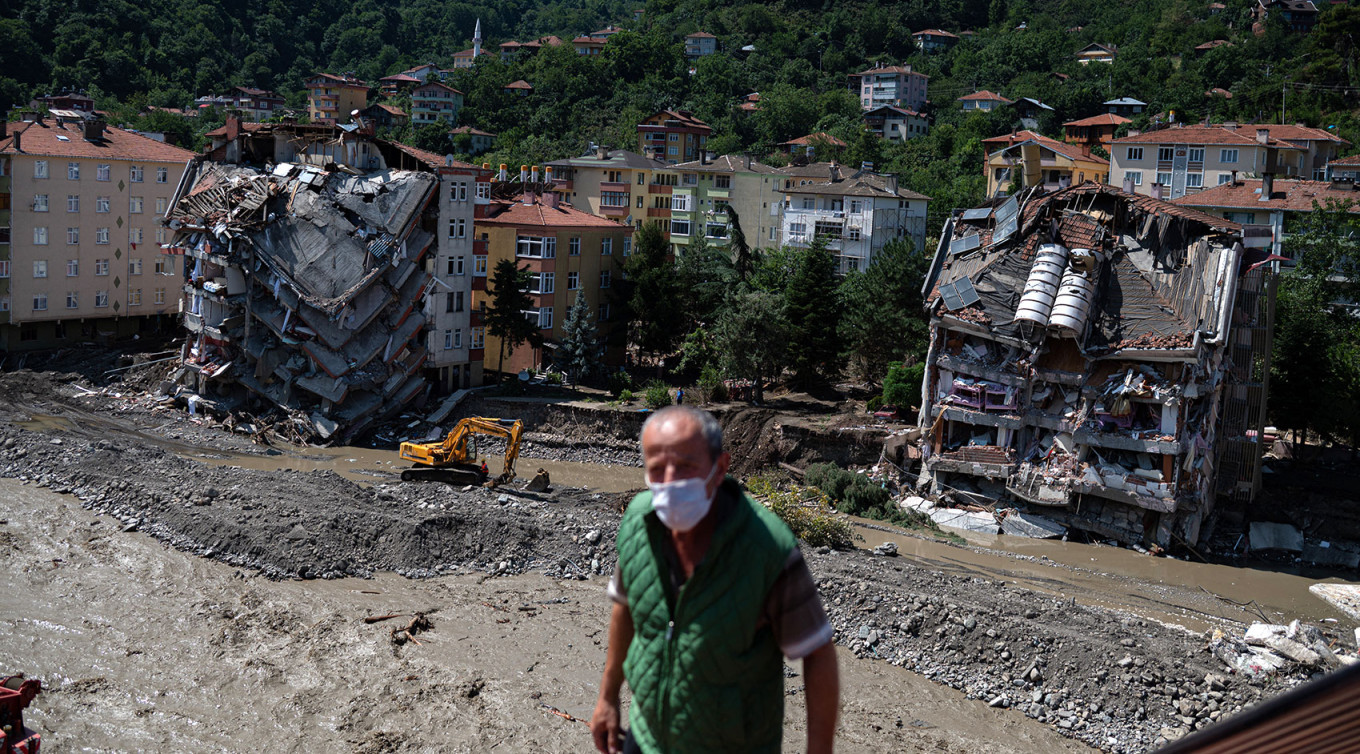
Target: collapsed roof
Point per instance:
(1163, 274)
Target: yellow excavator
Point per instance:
(454, 459)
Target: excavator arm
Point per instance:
(449, 460)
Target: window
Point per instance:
(135, 205)
(135, 267)
(158, 296)
(573, 281)
(545, 318)
(716, 230)
(689, 179)
(448, 340)
(639, 202)
(40, 302)
(1224, 178)
(101, 204)
(478, 337)
(606, 246)
(479, 266)
(679, 227)
(673, 150)
(681, 203)
(101, 299)
(604, 313)
(722, 181)
(458, 338)
(457, 266)
(797, 229)
(40, 268)
(162, 175)
(72, 300)
(574, 246)
(1164, 179)
(672, 137)
(72, 171)
(72, 236)
(135, 297)
(627, 246)
(73, 203)
(40, 202)
(613, 199)
(160, 205)
(135, 173)
(457, 301)
(1227, 155)
(165, 266)
(809, 203)
(4, 303)
(101, 235)
(604, 278)
(40, 171)
(483, 190)
(856, 205)
(1137, 176)
(1194, 180)
(543, 282)
(458, 191)
(135, 236)
(1242, 218)
(1135, 153)
(1197, 154)
(536, 247)
(72, 268)
(448, 301)
(101, 173)
(1165, 154)
(853, 234)
(160, 235)
(4, 268)
(40, 236)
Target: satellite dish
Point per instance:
(175, 224)
(524, 375)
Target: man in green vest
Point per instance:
(710, 593)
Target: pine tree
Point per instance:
(882, 316)
(744, 258)
(654, 307)
(705, 274)
(752, 336)
(811, 309)
(580, 353)
(505, 318)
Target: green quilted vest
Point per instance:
(703, 678)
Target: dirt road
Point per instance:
(146, 648)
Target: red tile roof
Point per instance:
(471, 130)
(1298, 132)
(685, 117)
(1242, 136)
(433, 85)
(518, 214)
(1352, 160)
(1214, 43)
(334, 80)
(984, 95)
(700, 35)
(1219, 92)
(521, 84)
(401, 78)
(820, 136)
(393, 109)
(1104, 119)
(1070, 151)
(429, 158)
(935, 33)
(42, 140)
(890, 69)
(1287, 195)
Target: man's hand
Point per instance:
(604, 726)
(604, 722)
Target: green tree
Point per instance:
(704, 274)
(744, 258)
(752, 337)
(654, 307)
(580, 353)
(882, 316)
(811, 310)
(504, 319)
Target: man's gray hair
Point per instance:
(708, 425)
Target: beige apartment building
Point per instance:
(80, 241)
(1174, 162)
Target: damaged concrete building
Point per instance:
(1098, 357)
(311, 261)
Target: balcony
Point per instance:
(614, 211)
(621, 187)
(659, 188)
(563, 184)
(658, 212)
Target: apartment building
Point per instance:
(391, 86)
(1097, 129)
(708, 186)
(1172, 162)
(331, 98)
(566, 251)
(674, 135)
(249, 102)
(588, 46)
(1298, 15)
(895, 123)
(856, 213)
(1267, 208)
(896, 85)
(613, 183)
(80, 254)
(1124, 106)
(700, 44)
(433, 102)
(935, 40)
(985, 100)
(1098, 360)
(1026, 158)
(1318, 146)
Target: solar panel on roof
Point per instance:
(981, 213)
(968, 295)
(967, 243)
(1005, 230)
(1006, 211)
(952, 301)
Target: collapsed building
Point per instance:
(306, 273)
(1097, 356)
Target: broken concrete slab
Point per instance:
(1268, 536)
(1321, 553)
(1258, 634)
(447, 406)
(918, 504)
(1019, 524)
(978, 523)
(1344, 597)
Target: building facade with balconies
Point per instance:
(331, 98)
(434, 102)
(856, 214)
(1269, 209)
(612, 183)
(896, 85)
(80, 241)
(1026, 158)
(705, 189)
(1173, 162)
(674, 136)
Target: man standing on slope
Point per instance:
(709, 591)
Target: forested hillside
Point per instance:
(164, 52)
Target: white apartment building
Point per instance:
(80, 245)
(896, 85)
(1173, 162)
(464, 192)
(856, 214)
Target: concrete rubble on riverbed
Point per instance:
(1096, 356)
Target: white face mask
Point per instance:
(682, 504)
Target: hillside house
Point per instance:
(896, 123)
(1025, 158)
(935, 40)
(985, 101)
(896, 85)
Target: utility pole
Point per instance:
(1283, 84)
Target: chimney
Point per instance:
(835, 171)
(94, 130)
(1262, 135)
(1267, 187)
(1157, 191)
(233, 127)
(1128, 184)
(550, 199)
(601, 151)
(17, 146)
(4, 128)
(528, 197)
(709, 156)
(547, 174)
(892, 183)
(1230, 125)
(1134, 132)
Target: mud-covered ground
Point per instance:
(295, 654)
